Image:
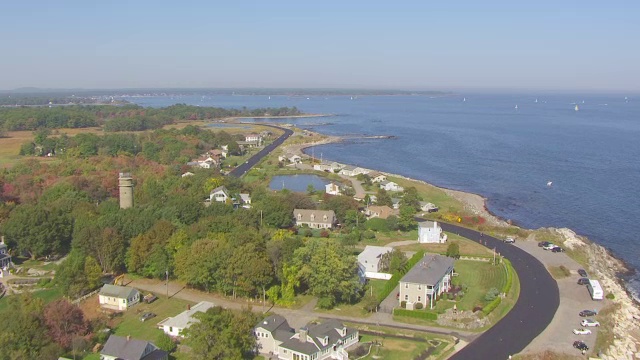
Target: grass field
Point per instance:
(408, 345)
(467, 247)
(47, 295)
(479, 277)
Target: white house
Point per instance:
(219, 194)
(369, 264)
(348, 171)
(326, 340)
(245, 200)
(126, 348)
(395, 203)
(5, 258)
(429, 232)
(390, 186)
(173, 326)
(295, 159)
(328, 166)
(377, 177)
(332, 189)
(428, 207)
(118, 298)
(315, 219)
(253, 137)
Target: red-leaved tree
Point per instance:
(64, 322)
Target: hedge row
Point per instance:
(416, 314)
(492, 305)
(510, 274)
(395, 279)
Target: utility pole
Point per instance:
(261, 219)
(167, 281)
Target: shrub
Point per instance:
(326, 302)
(418, 306)
(324, 233)
(368, 234)
(166, 343)
(610, 296)
(403, 304)
(308, 233)
(477, 308)
(491, 306)
(491, 295)
(377, 224)
(425, 315)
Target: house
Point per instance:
(369, 264)
(174, 326)
(219, 194)
(381, 212)
(295, 159)
(271, 332)
(117, 297)
(428, 207)
(187, 174)
(348, 171)
(328, 166)
(390, 186)
(326, 340)
(315, 219)
(395, 203)
(429, 278)
(332, 189)
(429, 232)
(217, 153)
(377, 177)
(126, 348)
(245, 201)
(253, 137)
(5, 258)
(205, 162)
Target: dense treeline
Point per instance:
(71, 207)
(120, 118)
(164, 146)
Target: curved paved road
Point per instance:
(242, 169)
(539, 299)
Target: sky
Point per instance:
(413, 45)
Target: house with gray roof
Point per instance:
(427, 280)
(219, 194)
(120, 298)
(326, 340)
(174, 326)
(315, 219)
(370, 264)
(5, 258)
(271, 332)
(126, 348)
(429, 232)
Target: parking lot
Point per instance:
(558, 336)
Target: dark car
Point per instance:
(544, 243)
(557, 249)
(583, 281)
(147, 316)
(586, 313)
(582, 273)
(580, 345)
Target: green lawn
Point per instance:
(479, 277)
(408, 347)
(467, 247)
(357, 310)
(47, 295)
(129, 323)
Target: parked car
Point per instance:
(549, 246)
(589, 322)
(582, 273)
(585, 313)
(583, 281)
(580, 345)
(544, 243)
(510, 240)
(582, 331)
(146, 316)
(557, 249)
(149, 298)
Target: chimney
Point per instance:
(303, 334)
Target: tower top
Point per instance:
(124, 175)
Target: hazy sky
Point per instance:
(553, 45)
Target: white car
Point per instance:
(589, 322)
(582, 331)
(549, 247)
(510, 240)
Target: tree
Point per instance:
(23, 334)
(329, 271)
(71, 276)
(166, 343)
(393, 260)
(407, 221)
(411, 198)
(64, 321)
(311, 189)
(153, 242)
(383, 198)
(453, 250)
(222, 334)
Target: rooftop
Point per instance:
(429, 270)
(116, 291)
(318, 216)
(185, 318)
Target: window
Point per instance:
(406, 285)
(419, 287)
(419, 298)
(406, 297)
(170, 329)
(313, 217)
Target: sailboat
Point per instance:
(536, 100)
(516, 107)
(464, 99)
(576, 108)
(549, 183)
(269, 97)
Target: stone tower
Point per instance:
(125, 181)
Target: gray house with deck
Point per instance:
(427, 280)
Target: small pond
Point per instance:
(297, 183)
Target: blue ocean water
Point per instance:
(482, 143)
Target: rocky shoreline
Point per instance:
(601, 262)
